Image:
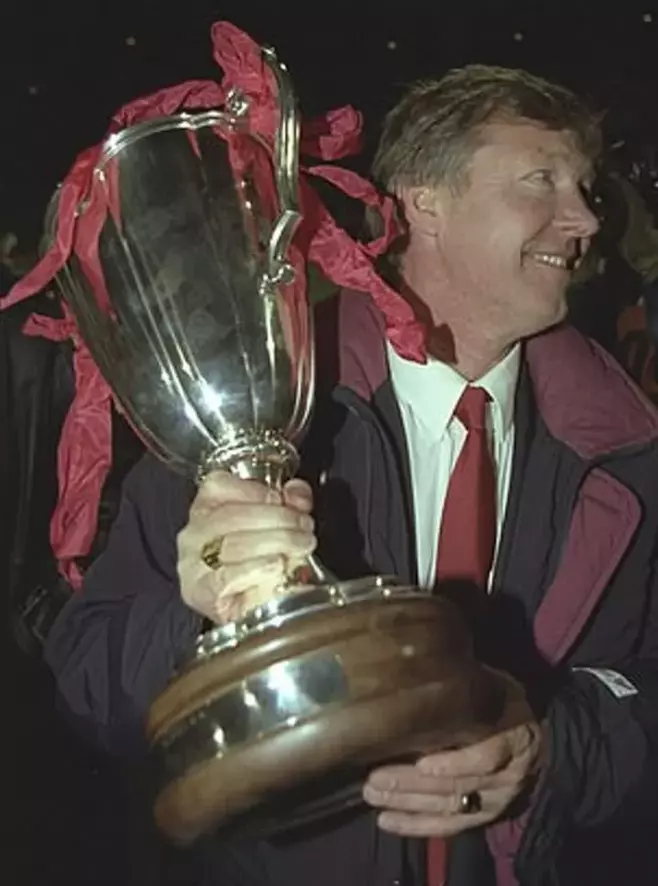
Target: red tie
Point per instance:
(468, 525)
(467, 536)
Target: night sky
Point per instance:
(67, 66)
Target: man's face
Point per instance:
(508, 241)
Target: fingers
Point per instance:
(297, 494)
(221, 487)
(258, 532)
(436, 815)
(421, 793)
(427, 817)
(229, 592)
(240, 519)
(432, 825)
(391, 781)
(241, 547)
(424, 800)
(249, 519)
(479, 759)
(506, 751)
(426, 814)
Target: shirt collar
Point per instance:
(432, 390)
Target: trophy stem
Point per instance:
(265, 456)
(272, 474)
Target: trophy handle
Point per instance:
(286, 173)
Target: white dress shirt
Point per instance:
(428, 395)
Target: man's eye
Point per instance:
(542, 176)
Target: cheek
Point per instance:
(485, 249)
(536, 218)
(493, 233)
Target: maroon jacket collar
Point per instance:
(585, 398)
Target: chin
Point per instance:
(543, 322)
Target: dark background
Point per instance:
(66, 66)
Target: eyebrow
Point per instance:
(577, 162)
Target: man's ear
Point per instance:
(423, 209)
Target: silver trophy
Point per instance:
(189, 292)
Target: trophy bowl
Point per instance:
(187, 284)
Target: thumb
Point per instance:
(299, 495)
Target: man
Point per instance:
(538, 432)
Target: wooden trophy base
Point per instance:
(281, 729)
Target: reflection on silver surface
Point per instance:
(282, 609)
(278, 697)
(186, 291)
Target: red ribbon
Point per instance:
(85, 451)
(85, 446)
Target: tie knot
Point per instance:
(472, 409)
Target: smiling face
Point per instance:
(504, 245)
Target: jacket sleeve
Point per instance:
(116, 644)
(602, 761)
(602, 732)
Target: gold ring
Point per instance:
(211, 553)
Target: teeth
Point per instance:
(555, 261)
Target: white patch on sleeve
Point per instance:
(619, 685)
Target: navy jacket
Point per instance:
(575, 589)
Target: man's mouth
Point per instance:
(555, 260)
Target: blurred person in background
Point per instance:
(77, 816)
(614, 294)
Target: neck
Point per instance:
(472, 361)
(458, 333)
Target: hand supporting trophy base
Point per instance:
(186, 289)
